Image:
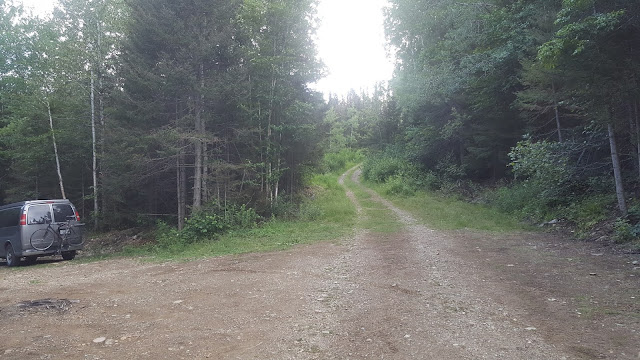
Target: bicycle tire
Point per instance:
(43, 239)
(74, 235)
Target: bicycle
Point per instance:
(66, 235)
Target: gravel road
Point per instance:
(412, 294)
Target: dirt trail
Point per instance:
(415, 294)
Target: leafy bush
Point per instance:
(206, 224)
(399, 176)
(285, 208)
(623, 231)
(628, 229)
(311, 211)
(241, 217)
(542, 161)
(522, 200)
(380, 168)
(397, 185)
(589, 211)
(340, 161)
(168, 237)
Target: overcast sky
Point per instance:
(350, 43)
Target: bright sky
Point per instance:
(40, 7)
(350, 42)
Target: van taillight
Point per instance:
(23, 219)
(77, 216)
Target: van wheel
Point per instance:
(68, 255)
(12, 259)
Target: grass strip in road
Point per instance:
(446, 213)
(378, 218)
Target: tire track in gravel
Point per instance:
(412, 299)
(411, 294)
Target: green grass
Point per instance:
(378, 218)
(445, 213)
(330, 216)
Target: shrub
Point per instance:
(380, 168)
(285, 208)
(168, 237)
(240, 217)
(206, 224)
(623, 231)
(397, 185)
(340, 161)
(543, 161)
(522, 200)
(588, 212)
(311, 211)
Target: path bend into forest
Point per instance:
(414, 293)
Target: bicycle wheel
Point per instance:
(43, 239)
(74, 235)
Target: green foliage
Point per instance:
(521, 200)
(448, 213)
(168, 237)
(587, 212)
(380, 168)
(396, 185)
(544, 162)
(399, 176)
(338, 162)
(327, 215)
(624, 232)
(627, 229)
(377, 218)
(206, 225)
(329, 201)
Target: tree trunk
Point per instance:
(199, 146)
(100, 171)
(617, 173)
(555, 108)
(93, 149)
(197, 177)
(637, 122)
(205, 173)
(55, 150)
(269, 143)
(181, 179)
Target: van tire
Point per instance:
(12, 259)
(68, 255)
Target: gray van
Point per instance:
(31, 229)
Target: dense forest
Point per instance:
(140, 109)
(536, 100)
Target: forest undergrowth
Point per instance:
(447, 203)
(324, 214)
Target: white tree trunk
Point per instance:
(617, 173)
(55, 150)
(181, 178)
(95, 157)
(197, 176)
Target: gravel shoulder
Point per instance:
(412, 294)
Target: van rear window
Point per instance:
(39, 214)
(63, 212)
